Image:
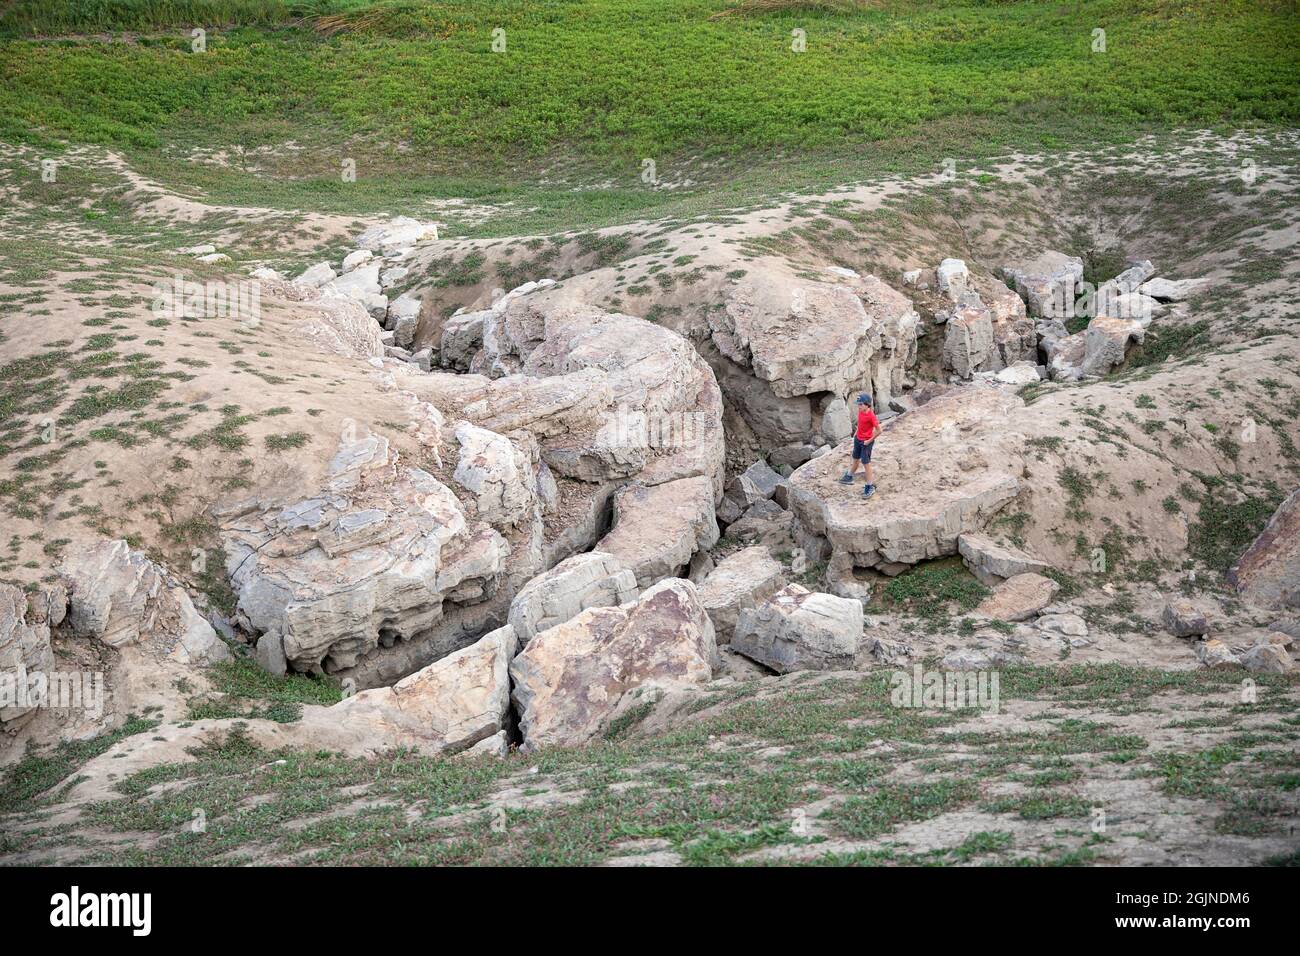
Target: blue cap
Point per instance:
(864, 398)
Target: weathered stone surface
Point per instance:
(798, 629)
(608, 396)
(269, 654)
(1267, 659)
(1047, 282)
(1065, 625)
(1182, 618)
(765, 522)
(1018, 598)
(942, 470)
(951, 277)
(782, 336)
(316, 276)
(657, 529)
(1216, 654)
(571, 678)
(742, 580)
(837, 423)
(373, 557)
(448, 706)
(1106, 343)
(1268, 574)
(498, 474)
(1172, 290)
(993, 562)
(968, 339)
(462, 336)
(25, 622)
(594, 579)
(120, 597)
(397, 233)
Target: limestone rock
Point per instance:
(1268, 574)
(594, 579)
(1046, 282)
(1106, 343)
(498, 474)
(657, 529)
(741, 580)
(798, 629)
(269, 654)
(1172, 290)
(968, 339)
(1018, 598)
(1267, 659)
(1216, 654)
(25, 623)
(993, 562)
(1182, 618)
(380, 554)
(951, 277)
(120, 597)
(571, 678)
(448, 706)
(942, 470)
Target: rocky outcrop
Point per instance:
(659, 528)
(120, 597)
(1268, 574)
(382, 553)
(1182, 618)
(783, 340)
(25, 624)
(797, 629)
(448, 706)
(1047, 283)
(942, 470)
(587, 580)
(740, 581)
(1018, 598)
(992, 561)
(573, 678)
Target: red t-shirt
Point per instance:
(866, 423)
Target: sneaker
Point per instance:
(847, 479)
(868, 491)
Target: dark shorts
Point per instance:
(862, 450)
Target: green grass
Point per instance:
(592, 87)
(701, 790)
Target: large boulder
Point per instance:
(594, 579)
(1018, 598)
(25, 650)
(120, 597)
(942, 470)
(797, 629)
(968, 339)
(573, 678)
(380, 554)
(1268, 574)
(992, 561)
(782, 337)
(446, 707)
(1106, 343)
(658, 528)
(742, 580)
(1046, 282)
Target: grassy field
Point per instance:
(585, 90)
(802, 770)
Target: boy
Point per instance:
(863, 439)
